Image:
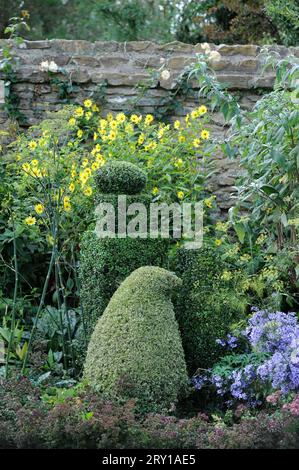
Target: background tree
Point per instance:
(190, 21)
(226, 21)
(121, 20)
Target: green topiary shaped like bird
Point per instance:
(136, 350)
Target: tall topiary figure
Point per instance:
(135, 349)
(106, 262)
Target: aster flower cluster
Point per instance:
(231, 342)
(271, 362)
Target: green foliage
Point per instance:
(235, 22)
(214, 91)
(128, 20)
(77, 418)
(190, 21)
(177, 158)
(106, 262)
(266, 141)
(206, 306)
(36, 217)
(120, 178)
(48, 189)
(268, 145)
(285, 15)
(135, 350)
(9, 65)
(58, 329)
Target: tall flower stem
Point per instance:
(78, 286)
(41, 304)
(62, 288)
(64, 350)
(13, 316)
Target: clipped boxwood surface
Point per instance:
(135, 349)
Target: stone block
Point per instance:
(265, 81)
(235, 80)
(38, 44)
(104, 47)
(175, 46)
(84, 60)
(180, 62)
(248, 65)
(120, 78)
(240, 49)
(137, 46)
(68, 46)
(79, 75)
(111, 61)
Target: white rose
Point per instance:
(205, 46)
(44, 66)
(53, 67)
(165, 75)
(214, 56)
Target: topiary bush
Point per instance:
(120, 178)
(106, 262)
(206, 306)
(136, 349)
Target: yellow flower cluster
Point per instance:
(233, 251)
(39, 208)
(30, 220)
(245, 258)
(226, 275)
(67, 204)
(32, 169)
(269, 273)
(261, 239)
(208, 202)
(178, 163)
(221, 226)
(94, 139)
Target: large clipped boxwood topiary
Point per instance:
(206, 306)
(106, 262)
(136, 349)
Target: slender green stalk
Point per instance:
(60, 314)
(78, 290)
(66, 310)
(41, 304)
(13, 315)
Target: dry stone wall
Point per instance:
(121, 67)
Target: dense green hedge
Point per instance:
(136, 349)
(105, 263)
(206, 306)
